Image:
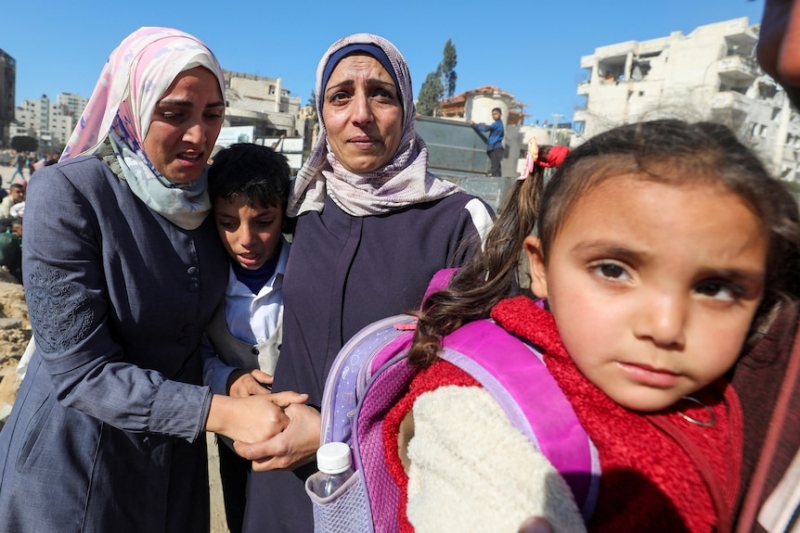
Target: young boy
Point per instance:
(16, 194)
(11, 248)
(249, 187)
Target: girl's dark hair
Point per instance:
(252, 172)
(666, 151)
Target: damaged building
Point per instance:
(260, 102)
(709, 74)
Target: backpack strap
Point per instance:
(439, 281)
(515, 375)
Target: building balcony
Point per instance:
(730, 100)
(587, 62)
(738, 70)
(741, 32)
(579, 115)
(583, 87)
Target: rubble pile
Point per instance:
(15, 333)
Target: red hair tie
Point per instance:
(555, 157)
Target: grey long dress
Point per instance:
(106, 431)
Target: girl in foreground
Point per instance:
(660, 250)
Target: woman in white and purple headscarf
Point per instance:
(372, 227)
(122, 269)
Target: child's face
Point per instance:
(250, 234)
(653, 286)
(17, 194)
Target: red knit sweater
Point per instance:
(659, 472)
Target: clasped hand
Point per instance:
(298, 439)
(293, 447)
(251, 418)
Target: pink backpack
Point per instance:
(369, 376)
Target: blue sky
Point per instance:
(531, 49)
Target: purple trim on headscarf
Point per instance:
(368, 48)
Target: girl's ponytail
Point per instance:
(492, 274)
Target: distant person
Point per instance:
(36, 165)
(19, 165)
(17, 210)
(11, 248)
(494, 144)
(249, 187)
(16, 195)
(16, 226)
(279, 142)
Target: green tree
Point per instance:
(447, 68)
(430, 94)
(23, 143)
(439, 82)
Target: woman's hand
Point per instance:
(252, 418)
(295, 446)
(243, 383)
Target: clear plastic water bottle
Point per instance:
(333, 461)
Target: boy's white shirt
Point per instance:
(251, 318)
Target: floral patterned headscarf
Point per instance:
(137, 74)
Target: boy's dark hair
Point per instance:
(15, 186)
(498, 110)
(249, 171)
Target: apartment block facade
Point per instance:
(8, 81)
(709, 74)
(49, 121)
(261, 102)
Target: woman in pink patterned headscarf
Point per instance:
(122, 269)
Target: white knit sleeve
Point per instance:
(471, 470)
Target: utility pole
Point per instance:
(554, 132)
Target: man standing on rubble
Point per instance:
(494, 145)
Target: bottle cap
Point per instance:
(333, 457)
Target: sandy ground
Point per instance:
(15, 332)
